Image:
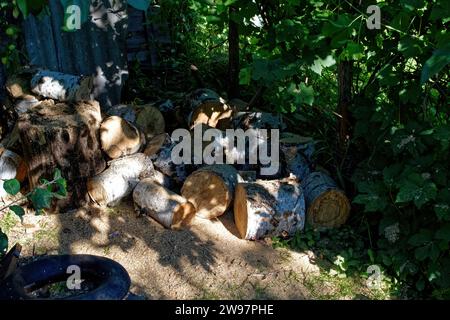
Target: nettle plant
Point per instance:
(40, 197)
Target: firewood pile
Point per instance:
(126, 152)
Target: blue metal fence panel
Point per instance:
(98, 48)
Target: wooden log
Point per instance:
(119, 180)
(18, 85)
(168, 208)
(201, 96)
(162, 160)
(258, 120)
(9, 165)
(211, 189)
(61, 86)
(327, 205)
(66, 137)
(119, 137)
(296, 155)
(268, 208)
(215, 114)
(146, 118)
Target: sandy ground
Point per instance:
(208, 261)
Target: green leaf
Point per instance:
(140, 4)
(421, 253)
(23, 6)
(41, 198)
(18, 210)
(439, 59)
(245, 76)
(319, 64)
(12, 186)
(443, 233)
(57, 174)
(423, 237)
(306, 94)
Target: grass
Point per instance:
(8, 222)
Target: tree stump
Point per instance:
(268, 208)
(327, 205)
(168, 208)
(119, 180)
(211, 189)
(63, 136)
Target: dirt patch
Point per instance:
(208, 261)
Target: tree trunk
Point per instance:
(168, 208)
(233, 54)
(268, 208)
(119, 137)
(211, 189)
(61, 86)
(345, 77)
(327, 206)
(66, 137)
(119, 180)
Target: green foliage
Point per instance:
(41, 198)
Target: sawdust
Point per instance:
(208, 261)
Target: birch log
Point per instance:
(9, 167)
(168, 208)
(327, 205)
(61, 86)
(211, 189)
(119, 180)
(119, 137)
(146, 118)
(216, 114)
(268, 208)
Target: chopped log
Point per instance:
(146, 118)
(258, 120)
(66, 137)
(201, 96)
(120, 138)
(150, 120)
(211, 189)
(162, 160)
(215, 114)
(293, 148)
(168, 208)
(327, 205)
(155, 144)
(119, 180)
(268, 208)
(238, 105)
(9, 165)
(18, 85)
(61, 86)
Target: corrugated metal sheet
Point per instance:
(98, 48)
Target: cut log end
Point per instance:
(208, 192)
(182, 216)
(240, 210)
(329, 210)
